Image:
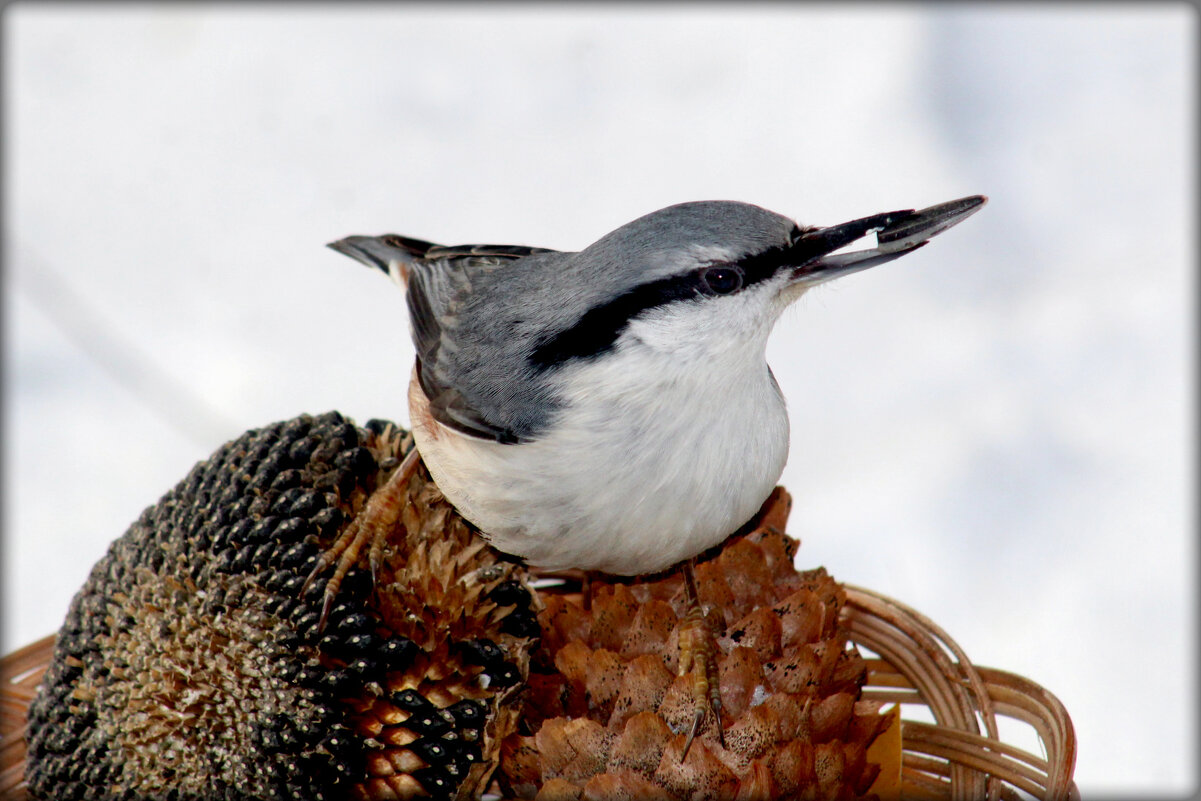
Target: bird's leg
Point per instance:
(370, 528)
(698, 654)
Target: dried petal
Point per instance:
(613, 609)
(828, 765)
(849, 672)
(740, 672)
(649, 630)
(677, 705)
(591, 744)
(792, 768)
(855, 765)
(643, 686)
(713, 589)
(791, 713)
(760, 631)
(803, 618)
(746, 570)
(754, 732)
(563, 621)
(793, 673)
(773, 517)
(603, 680)
(573, 661)
(756, 784)
(641, 744)
(559, 789)
(546, 695)
(623, 786)
(830, 717)
(521, 760)
(701, 775)
(554, 750)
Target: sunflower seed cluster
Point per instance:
(191, 666)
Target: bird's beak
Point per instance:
(820, 251)
(369, 250)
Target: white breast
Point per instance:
(652, 461)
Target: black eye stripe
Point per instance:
(764, 264)
(598, 329)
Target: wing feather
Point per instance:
(439, 286)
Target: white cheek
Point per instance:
(705, 328)
(790, 294)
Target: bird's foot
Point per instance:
(370, 529)
(698, 656)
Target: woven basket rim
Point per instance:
(961, 756)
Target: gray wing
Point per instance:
(440, 289)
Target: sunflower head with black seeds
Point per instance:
(191, 665)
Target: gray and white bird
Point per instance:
(612, 409)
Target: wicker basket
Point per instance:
(953, 759)
(20, 673)
(960, 756)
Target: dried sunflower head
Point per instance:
(191, 665)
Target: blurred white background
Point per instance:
(996, 430)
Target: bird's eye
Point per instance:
(722, 280)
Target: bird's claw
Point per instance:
(698, 655)
(697, 717)
(373, 525)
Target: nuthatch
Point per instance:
(612, 409)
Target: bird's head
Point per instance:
(709, 276)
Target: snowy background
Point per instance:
(996, 430)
